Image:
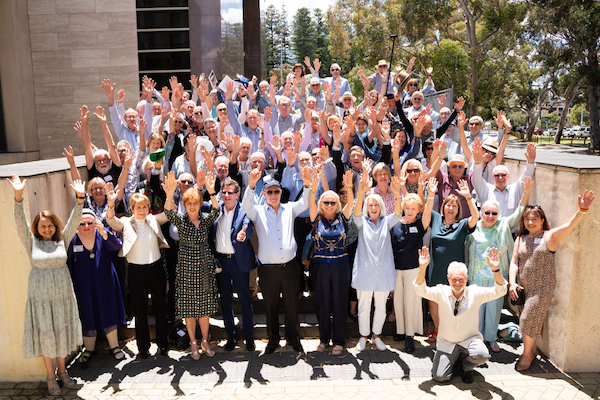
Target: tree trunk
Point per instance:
(569, 96)
(594, 115)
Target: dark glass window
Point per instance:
(164, 60)
(162, 78)
(153, 19)
(161, 3)
(163, 40)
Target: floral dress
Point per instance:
(195, 284)
(52, 325)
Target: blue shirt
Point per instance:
(373, 268)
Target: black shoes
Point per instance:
(164, 351)
(271, 347)
(144, 354)
(296, 345)
(467, 376)
(250, 346)
(399, 337)
(230, 345)
(409, 346)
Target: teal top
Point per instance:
(478, 244)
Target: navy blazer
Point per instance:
(244, 252)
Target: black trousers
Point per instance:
(284, 280)
(144, 279)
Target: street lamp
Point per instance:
(282, 33)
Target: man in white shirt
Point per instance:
(458, 332)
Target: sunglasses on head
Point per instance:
(488, 213)
(276, 191)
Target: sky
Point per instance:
(292, 6)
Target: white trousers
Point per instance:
(364, 311)
(407, 303)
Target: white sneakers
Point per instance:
(379, 344)
(362, 344)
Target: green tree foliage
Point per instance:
(304, 38)
(277, 37)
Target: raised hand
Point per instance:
(429, 70)
(129, 157)
(460, 103)
(530, 153)
(348, 180)
(424, 257)
(69, 155)
(432, 186)
(229, 91)
(365, 183)
(275, 145)
(255, 175)
(211, 178)
(164, 93)
(100, 115)
(111, 196)
(17, 184)
(443, 148)
(395, 185)
(442, 100)
(78, 187)
(429, 109)
(121, 96)
(478, 152)
(108, 88)
(464, 189)
(586, 200)
(84, 114)
(209, 162)
(170, 185)
(499, 120)
(527, 184)
(493, 259)
(292, 154)
(305, 174)
(99, 227)
(324, 153)
(194, 82)
(267, 114)
(317, 64)
(141, 129)
(402, 178)
(461, 120)
(422, 179)
(79, 129)
(385, 129)
(201, 178)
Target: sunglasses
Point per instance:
(500, 175)
(197, 113)
(474, 123)
(413, 171)
(457, 166)
(330, 203)
(488, 213)
(456, 307)
(179, 122)
(187, 182)
(227, 193)
(428, 148)
(270, 192)
(342, 192)
(89, 223)
(334, 69)
(413, 84)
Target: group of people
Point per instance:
(242, 188)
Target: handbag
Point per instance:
(309, 245)
(352, 232)
(521, 292)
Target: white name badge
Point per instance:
(455, 225)
(413, 229)
(78, 248)
(108, 178)
(537, 240)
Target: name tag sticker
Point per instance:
(413, 229)
(455, 225)
(108, 178)
(537, 240)
(78, 248)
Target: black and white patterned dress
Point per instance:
(195, 285)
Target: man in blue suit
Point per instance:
(237, 258)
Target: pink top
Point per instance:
(388, 199)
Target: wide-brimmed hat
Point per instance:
(347, 94)
(383, 62)
(490, 145)
(402, 77)
(314, 81)
(458, 158)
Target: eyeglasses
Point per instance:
(500, 175)
(413, 84)
(222, 110)
(488, 213)
(413, 171)
(270, 192)
(474, 123)
(417, 99)
(456, 307)
(89, 223)
(102, 160)
(179, 122)
(285, 105)
(382, 66)
(457, 166)
(330, 203)
(227, 193)
(98, 188)
(186, 182)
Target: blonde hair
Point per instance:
(337, 199)
(93, 182)
(138, 198)
(413, 198)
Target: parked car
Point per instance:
(550, 132)
(567, 132)
(538, 131)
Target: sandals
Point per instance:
(117, 353)
(66, 379)
(55, 389)
(195, 353)
(207, 349)
(337, 350)
(86, 356)
(321, 347)
(524, 363)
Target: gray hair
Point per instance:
(458, 267)
(378, 199)
(124, 143)
(477, 118)
(207, 120)
(490, 203)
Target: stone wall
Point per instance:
(74, 45)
